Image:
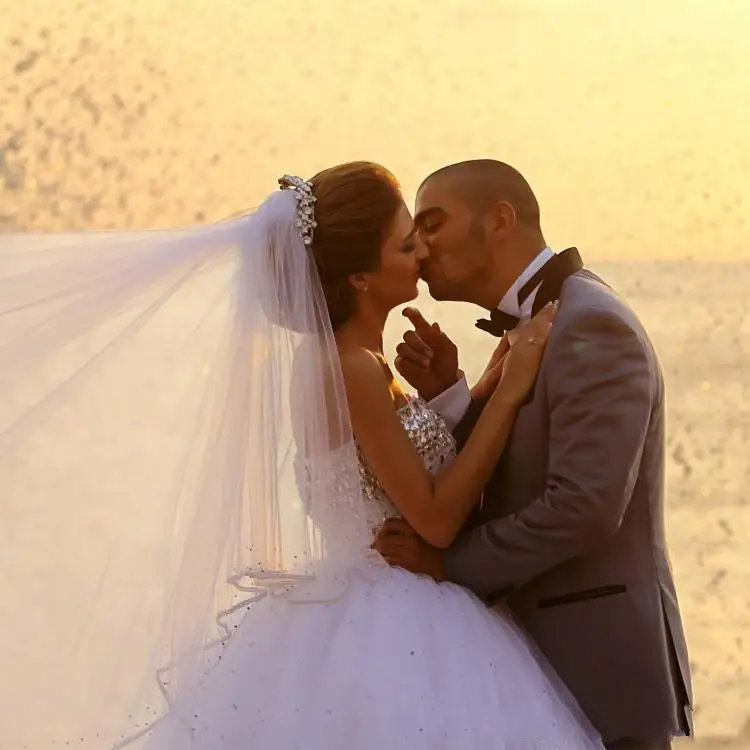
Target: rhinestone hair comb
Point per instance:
(305, 205)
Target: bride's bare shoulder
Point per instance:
(365, 375)
(357, 360)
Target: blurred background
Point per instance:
(630, 120)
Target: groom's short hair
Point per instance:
(483, 182)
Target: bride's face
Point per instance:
(395, 281)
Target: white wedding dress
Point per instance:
(397, 661)
(154, 390)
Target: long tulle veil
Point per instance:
(160, 394)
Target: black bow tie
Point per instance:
(549, 278)
(499, 322)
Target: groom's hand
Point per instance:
(402, 547)
(427, 359)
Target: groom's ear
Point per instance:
(500, 219)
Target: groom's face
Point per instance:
(455, 240)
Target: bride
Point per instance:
(198, 435)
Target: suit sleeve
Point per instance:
(600, 396)
(459, 410)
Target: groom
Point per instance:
(570, 532)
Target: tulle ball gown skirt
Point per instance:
(398, 661)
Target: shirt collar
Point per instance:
(509, 303)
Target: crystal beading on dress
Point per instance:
(427, 432)
(335, 479)
(305, 205)
(433, 442)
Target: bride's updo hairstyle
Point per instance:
(355, 208)
(343, 215)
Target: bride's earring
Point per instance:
(359, 282)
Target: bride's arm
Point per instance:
(435, 507)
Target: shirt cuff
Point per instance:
(453, 402)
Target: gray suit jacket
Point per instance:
(570, 533)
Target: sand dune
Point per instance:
(631, 121)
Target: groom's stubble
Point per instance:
(456, 275)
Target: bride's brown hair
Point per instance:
(356, 205)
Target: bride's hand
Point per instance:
(520, 366)
(485, 386)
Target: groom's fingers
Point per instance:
(430, 334)
(393, 546)
(397, 527)
(413, 349)
(409, 371)
(416, 319)
(414, 341)
(407, 361)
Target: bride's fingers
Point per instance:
(500, 350)
(539, 326)
(494, 371)
(547, 314)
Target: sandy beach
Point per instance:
(632, 126)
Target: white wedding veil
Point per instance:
(160, 395)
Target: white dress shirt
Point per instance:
(453, 402)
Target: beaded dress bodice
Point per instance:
(331, 495)
(433, 441)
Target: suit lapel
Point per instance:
(554, 275)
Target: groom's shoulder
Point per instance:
(585, 292)
(585, 296)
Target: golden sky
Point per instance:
(631, 120)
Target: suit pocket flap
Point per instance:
(581, 596)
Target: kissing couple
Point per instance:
(516, 592)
